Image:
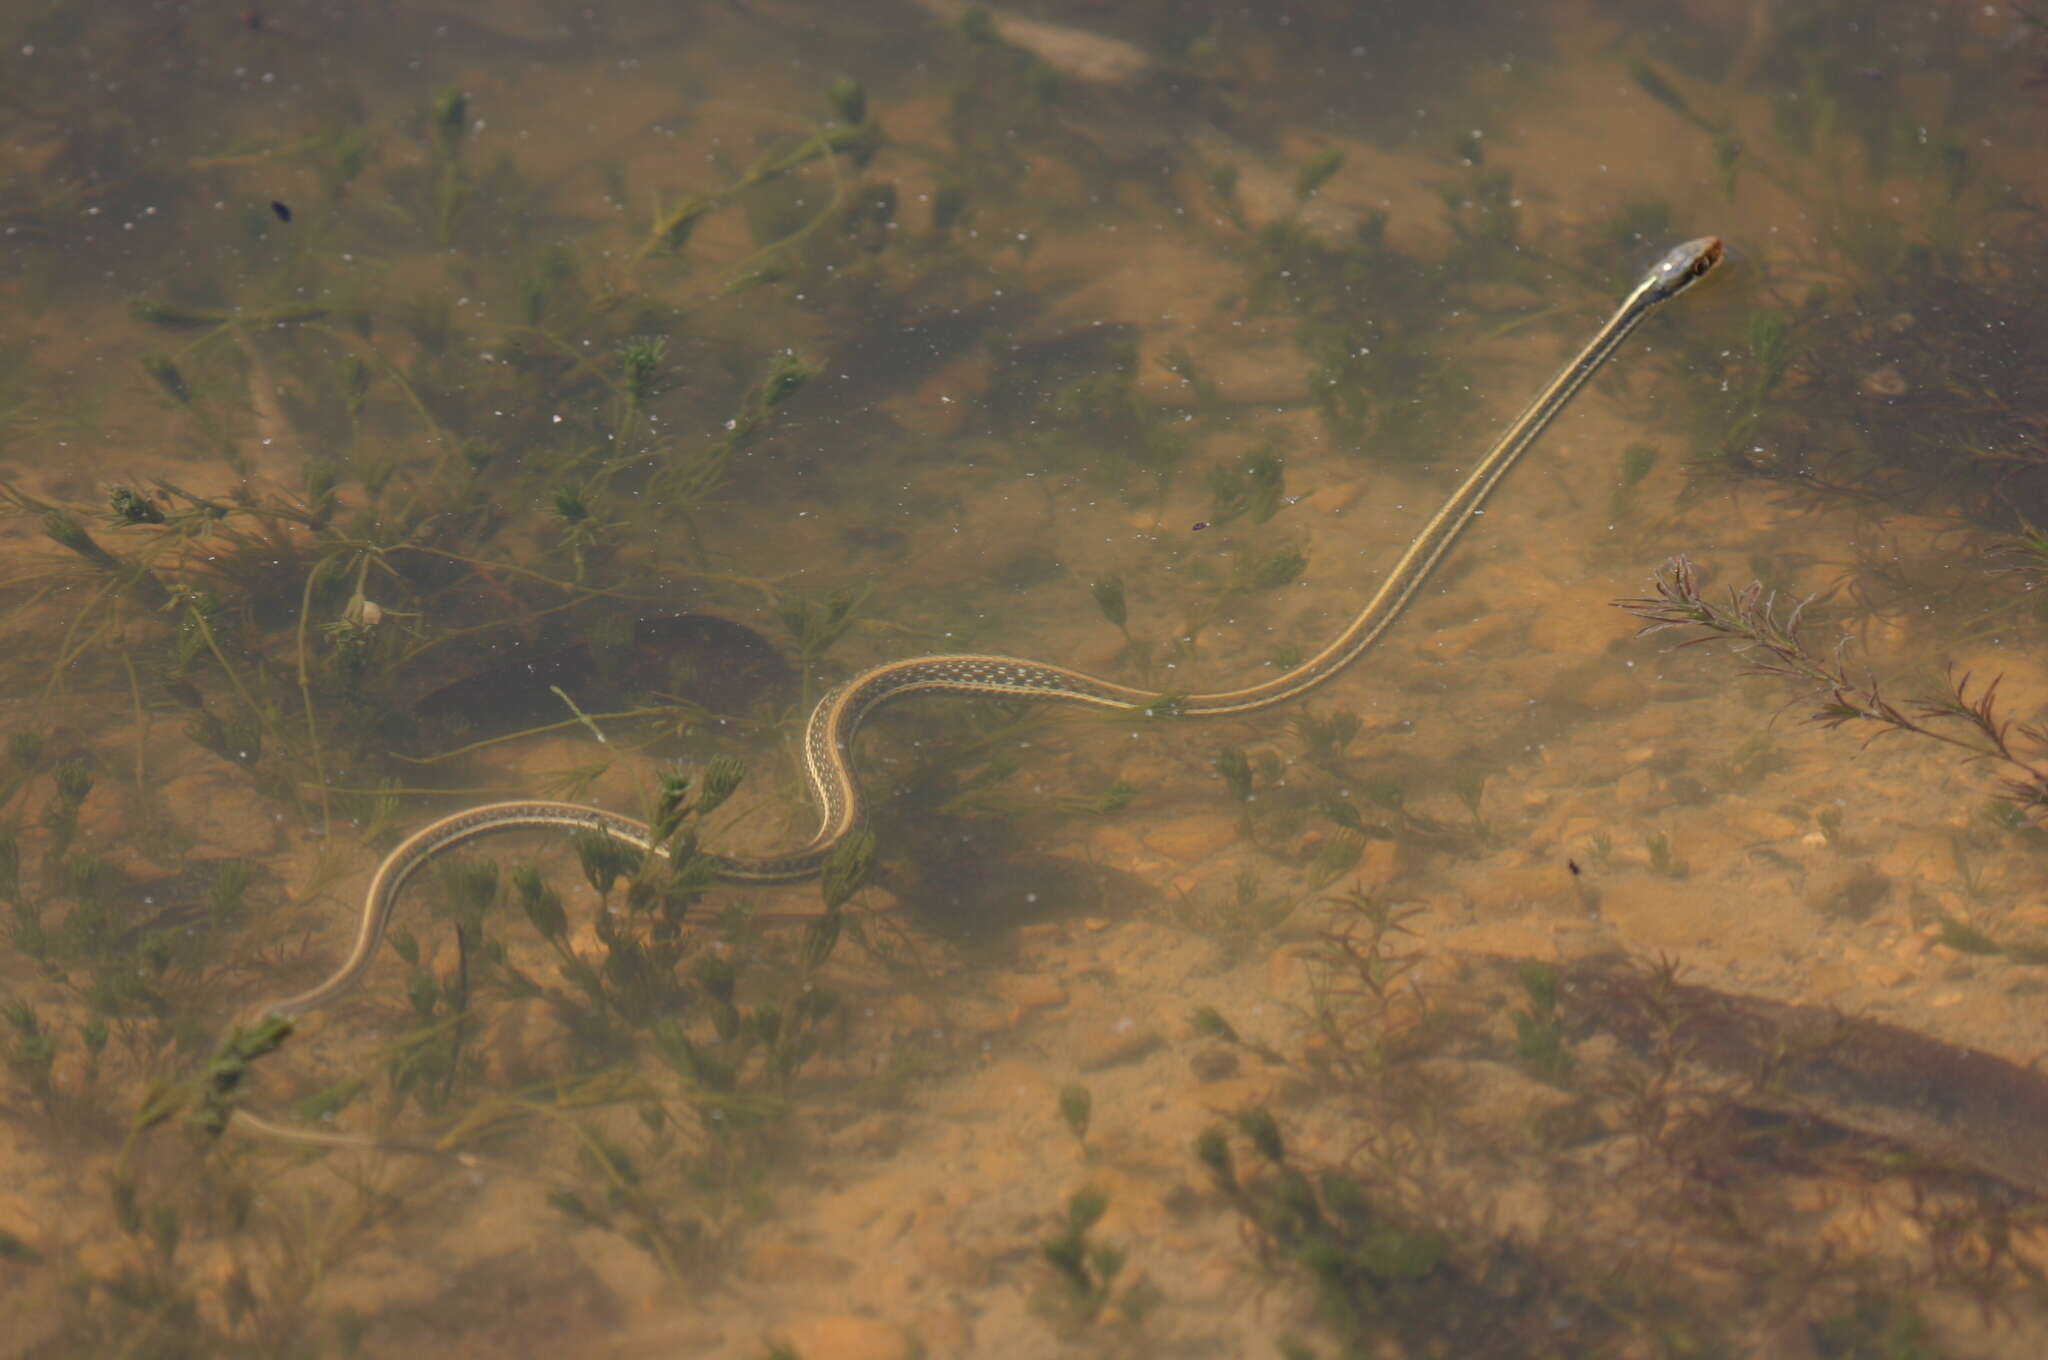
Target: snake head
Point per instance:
(1683, 266)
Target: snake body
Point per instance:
(828, 737)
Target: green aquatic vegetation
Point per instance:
(673, 225)
(1004, 104)
(1337, 856)
(177, 1194)
(1755, 757)
(1956, 437)
(720, 1132)
(972, 773)
(1254, 487)
(680, 484)
(1139, 652)
(1371, 322)
(856, 141)
(849, 100)
(1967, 939)
(1085, 1272)
(1073, 400)
(549, 283)
(1076, 1108)
(363, 642)
(1182, 365)
(72, 782)
(1113, 798)
(1384, 1257)
(1539, 1043)
(1367, 1224)
(1239, 919)
(129, 506)
(123, 954)
(349, 154)
(175, 316)
(1376, 806)
(1207, 1022)
(1326, 738)
(1258, 568)
(1954, 161)
(447, 130)
(1469, 784)
(977, 25)
(31, 1049)
(1769, 350)
(1836, 91)
(1223, 179)
(815, 626)
(1637, 462)
(1873, 400)
(1878, 1321)
(1727, 148)
(1312, 174)
(1483, 212)
(1664, 860)
(587, 539)
(639, 370)
(1280, 798)
(1362, 966)
(1728, 164)
(1108, 593)
(283, 626)
(215, 376)
(233, 566)
(1652, 82)
(430, 320)
(949, 204)
(1236, 772)
(868, 219)
(64, 530)
(1376, 1267)
(1969, 869)
(676, 1142)
(167, 375)
(238, 739)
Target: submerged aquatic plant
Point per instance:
(1773, 642)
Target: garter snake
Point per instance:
(828, 736)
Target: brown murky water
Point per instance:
(415, 408)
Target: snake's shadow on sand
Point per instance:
(973, 881)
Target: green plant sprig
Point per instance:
(673, 226)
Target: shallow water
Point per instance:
(418, 409)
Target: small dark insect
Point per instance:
(1201, 524)
(284, 212)
(1573, 865)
